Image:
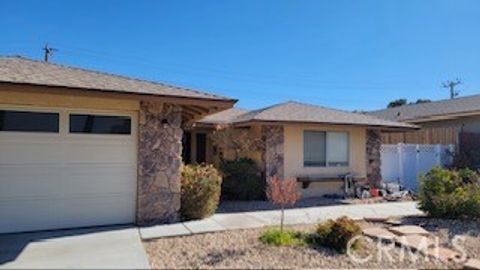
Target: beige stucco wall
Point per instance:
(28, 98)
(293, 149)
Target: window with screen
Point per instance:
(28, 121)
(325, 149)
(337, 149)
(314, 148)
(100, 124)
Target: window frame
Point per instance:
(28, 109)
(327, 165)
(97, 113)
(304, 147)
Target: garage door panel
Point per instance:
(20, 216)
(49, 180)
(18, 152)
(97, 180)
(30, 181)
(110, 209)
(101, 152)
(64, 213)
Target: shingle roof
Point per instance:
(225, 116)
(410, 113)
(292, 111)
(27, 71)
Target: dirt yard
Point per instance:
(242, 249)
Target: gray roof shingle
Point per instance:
(21, 70)
(292, 111)
(410, 113)
(223, 117)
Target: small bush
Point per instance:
(336, 234)
(242, 180)
(281, 238)
(200, 192)
(468, 176)
(450, 194)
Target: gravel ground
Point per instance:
(242, 249)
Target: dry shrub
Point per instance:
(283, 193)
(200, 193)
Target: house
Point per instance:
(441, 121)
(301, 141)
(83, 148)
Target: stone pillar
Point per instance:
(374, 142)
(273, 154)
(159, 161)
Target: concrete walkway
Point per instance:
(310, 215)
(95, 248)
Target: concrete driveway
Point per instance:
(98, 248)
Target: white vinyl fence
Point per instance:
(403, 163)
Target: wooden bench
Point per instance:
(306, 180)
(348, 180)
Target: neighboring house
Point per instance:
(305, 141)
(84, 148)
(441, 121)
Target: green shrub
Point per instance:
(200, 192)
(242, 180)
(278, 237)
(450, 194)
(468, 176)
(336, 234)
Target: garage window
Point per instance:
(23, 121)
(100, 124)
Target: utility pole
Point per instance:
(48, 51)
(451, 85)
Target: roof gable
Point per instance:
(306, 113)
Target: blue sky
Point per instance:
(343, 54)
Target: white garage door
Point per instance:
(64, 168)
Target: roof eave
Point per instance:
(440, 117)
(222, 103)
(279, 122)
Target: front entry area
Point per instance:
(196, 147)
(64, 168)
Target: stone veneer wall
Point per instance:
(273, 156)
(159, 161)
(374, 142)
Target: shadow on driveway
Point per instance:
(93, 247)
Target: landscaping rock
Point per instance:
(472, 264)
(415, 242)
(379, 233)
(393, 222)
(375, 219)
(442, 254)
(408, 230)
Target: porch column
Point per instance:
(273, 156)
(374, 142)
(159, 161)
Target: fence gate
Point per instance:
(403, 163)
